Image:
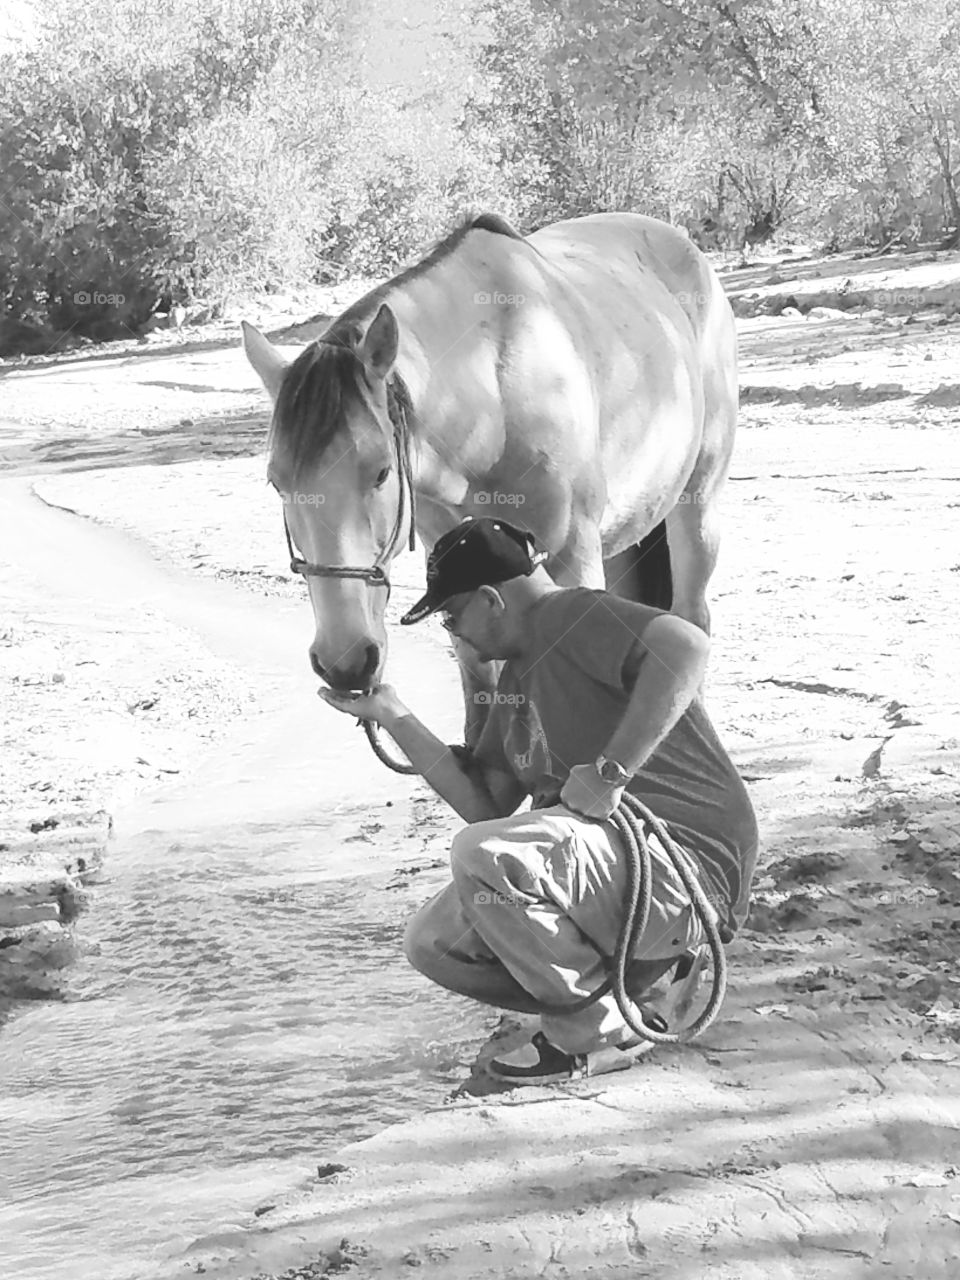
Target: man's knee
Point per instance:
(470, 854)
(420, 943)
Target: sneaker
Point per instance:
(540, 1062)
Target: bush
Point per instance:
(242, 148)
(92, 230)
(81, 250)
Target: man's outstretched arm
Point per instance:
(474, 792)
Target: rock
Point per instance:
(871, 766)
(200, 313)
(944, 1012)
(13, 915)
(926, 1178)
(888, 389)
(870, 989)
(44, 863)
(32, 961)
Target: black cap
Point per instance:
(477, 553)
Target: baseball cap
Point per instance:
(479, 552)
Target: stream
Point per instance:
(243, 1008)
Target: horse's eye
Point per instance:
(382, 478)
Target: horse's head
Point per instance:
(333, 460)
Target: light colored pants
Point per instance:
(533, 914)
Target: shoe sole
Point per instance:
(598, 1063)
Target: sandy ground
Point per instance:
(814, 1132)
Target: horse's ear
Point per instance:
(266, 359)
(378, 351)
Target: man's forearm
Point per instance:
(669, 678)
(462, 788)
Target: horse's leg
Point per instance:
(643, 572)
(622, 573)
(693, 526)
(694, 536)
(579, 563)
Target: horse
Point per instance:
(580, 382)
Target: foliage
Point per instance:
(246, 144)
(737, 117)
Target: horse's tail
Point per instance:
(652, 575)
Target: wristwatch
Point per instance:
(613, 772)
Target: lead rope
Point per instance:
(628, 820)
(380, 751)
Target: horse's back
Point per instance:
(591, 249)
(585, 356)
(634, 253)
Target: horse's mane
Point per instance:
(325, 376)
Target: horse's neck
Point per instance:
(445, 397)
(439, 481)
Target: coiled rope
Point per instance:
(629, 820)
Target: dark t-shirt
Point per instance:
(559, 705)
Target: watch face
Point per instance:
(610, 771)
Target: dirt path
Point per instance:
(815, 1134)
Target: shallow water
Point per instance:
(245, 1003)
(243, 1008)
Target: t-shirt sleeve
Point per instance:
(597, 632)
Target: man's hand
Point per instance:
(380, 704)
(586, 793)
(444, 769)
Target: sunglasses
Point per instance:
(450, 618)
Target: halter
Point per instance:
(398, 404)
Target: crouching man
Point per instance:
(597, 694)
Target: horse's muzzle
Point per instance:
(347, 676)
